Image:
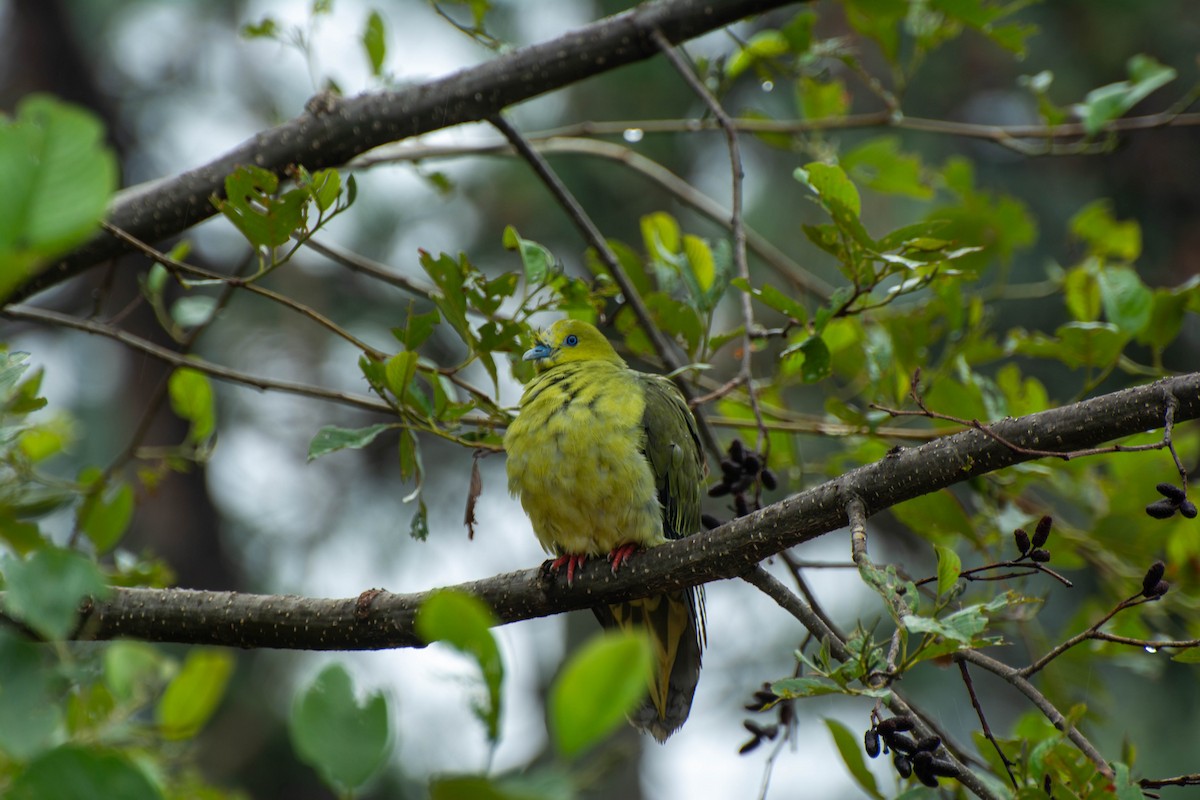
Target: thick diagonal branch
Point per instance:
(334, 130)
(385, 620)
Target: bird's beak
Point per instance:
(540, 350)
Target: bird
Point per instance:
(607, 460)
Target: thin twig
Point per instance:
(1018, 681)
(987, 731)
(679, 188)
(1084, 635)
(737, 228)
(281, 299)
(171, 357)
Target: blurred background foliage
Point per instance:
(1016, 279)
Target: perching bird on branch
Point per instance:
(607, 460)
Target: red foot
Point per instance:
(572, 561)
(621, 554)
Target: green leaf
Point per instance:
(1166, 318)
(850, 747)
(700, 259)
(398, 372)
(600, 684)
(465, 623)
(194, 694)
(82, 774)
(374, 42)
(794, 688)
(57, 176)
(765, 44)
(1106, 103)
(1082, 293)
(536, 784)
(536, 259)
(134, 670)
(331, 438)
(345, 741)
(250, 204)
(1127, 301)
(822, 99)
(879, 164)
(831, 184)
(949, 565)
(105, 515)
(1106, 236)
(45, 590)
(192, 399)
(30, 711)
(417, 329)
(661, 236)
(811, 358)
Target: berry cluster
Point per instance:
(1173, 499)
(1153, 585)
(1034, 547)
(764, 700)
(741, 470)
(910, 756)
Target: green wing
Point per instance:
(676, 459)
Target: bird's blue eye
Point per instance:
(571, 340)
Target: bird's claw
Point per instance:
(621, 554)
(572, 563)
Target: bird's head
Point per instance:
(571, 340)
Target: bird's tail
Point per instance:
(675, 622)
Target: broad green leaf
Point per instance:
(1127, 301)
(600, 684)
(399, 371)
(537, 260)
(30, 712)
(325, 186)
(880, 164)
(792, 688)
(766, 44)
(1106, 236)
(1166, 318)
(810, 357)
(417, 328)
(375, 42)
(331, 438)
(105, 515)
(465, 623)
(1082, 293)
(535, 784)
(1106, 103)
(346, 741)
(661, 235)
(192, 399)
(44, 591)
(194, 694)
(822, 99)
(82, 773)
(850, 748)
(831, 184)
(700, 258)
(134, 670)
(250, 204)
(57, 176)
(948, 567)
